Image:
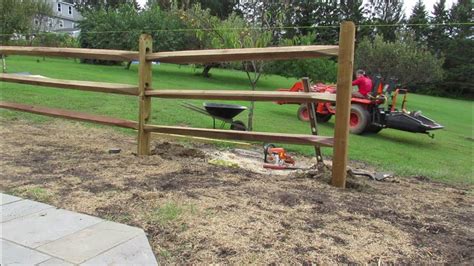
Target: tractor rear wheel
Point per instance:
(359, 119)
(238, 125)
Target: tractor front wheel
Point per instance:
(359, 119)
(302, 113)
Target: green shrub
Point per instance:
(121, 28)
(48, 39)
(404, 60)
(319, 69)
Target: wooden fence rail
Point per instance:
(145, 92)
(73, 115)
(71, 84)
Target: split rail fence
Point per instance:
(144, 91)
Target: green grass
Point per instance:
(35, 193)
(172, 212)
(448, 157)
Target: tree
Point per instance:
(120, 29)
(402, 59)
(458, 66)
(85, 5)
(438, 33)
(233, 32)
(461, 12)
(317, 69)
(355, 11)
(419, 19)
(219, 8)
(43, 13)
(458, 48)
(384, 14)
(17, 16)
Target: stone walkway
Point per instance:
(33, 233)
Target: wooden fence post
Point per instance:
(343, 103)
(144, 83)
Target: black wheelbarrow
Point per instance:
(222, 112)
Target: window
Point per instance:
(50, 22)
(70, 10)
(73, 25)
(37, 22)
(61, 24)
(59, 7)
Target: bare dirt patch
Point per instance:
(197, 212)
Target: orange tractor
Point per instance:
(371, 114)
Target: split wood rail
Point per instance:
(144, 91)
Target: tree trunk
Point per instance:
(129, 63)
(207, 69)
(257, 71)
(4, 64)
(252, 106)
(250, 118)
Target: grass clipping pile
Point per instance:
(197, 212)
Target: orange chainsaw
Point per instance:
(277, 158)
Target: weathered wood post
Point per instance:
(343, 103)
(310, 106)
(144, 83)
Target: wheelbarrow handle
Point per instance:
(195, 108)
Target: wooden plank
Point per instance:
(343, 103)
(243, 135)
(99, 54)
(144, 84)
(268, 53)
(243, 95)
(54, 112)
(71, 84)
(312, 120)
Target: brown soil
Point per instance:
(197, 212)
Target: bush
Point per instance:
(403, 60)
(319, 69)
(121, 28)
(48, 39)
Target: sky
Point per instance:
(408, 5)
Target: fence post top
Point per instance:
(145, 37)
(347, 23)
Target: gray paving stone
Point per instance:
(55, 262)
(21, 208)
(13, 254)
(45, 226)
(5, 199)
(135, 251)
(90, 242)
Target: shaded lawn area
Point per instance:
(448, 157)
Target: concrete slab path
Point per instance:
(34, 233)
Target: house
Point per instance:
(64, 20)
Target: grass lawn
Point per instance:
(448, 157)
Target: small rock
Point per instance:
(115, 150)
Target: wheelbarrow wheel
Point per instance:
(238, 125)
